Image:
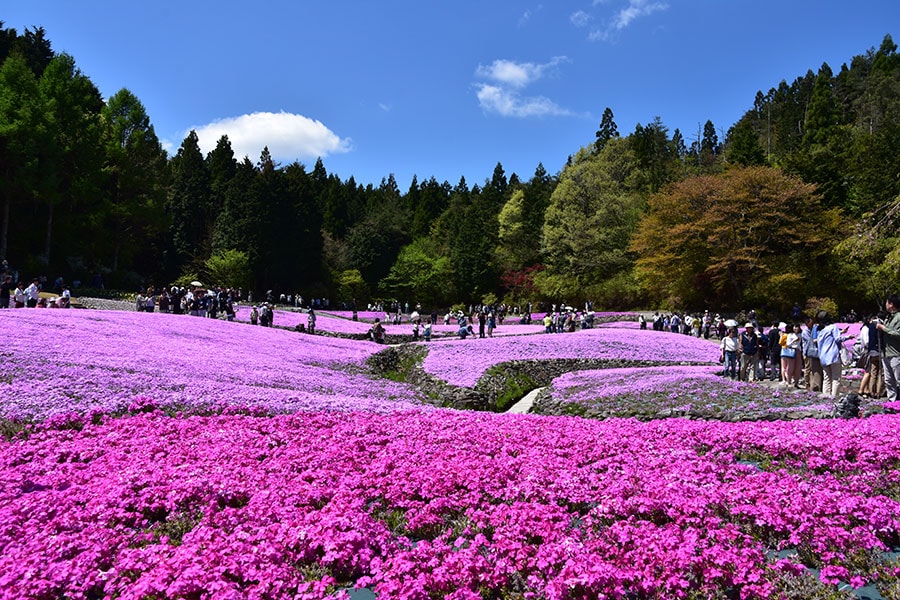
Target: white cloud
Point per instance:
(635, 9)
(517, 75)
(508, 103)
(625, 16)
(580, 18)
(288, 136)
(529, 14)
(502, 95)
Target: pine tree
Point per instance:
(607, 131)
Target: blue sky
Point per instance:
(445, 89)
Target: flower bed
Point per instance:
(447, 504)
(463, 362)
(662, 391)
(58, 361)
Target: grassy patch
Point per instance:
(512, 387)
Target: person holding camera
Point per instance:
(890, 357)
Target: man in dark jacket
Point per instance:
(749, 352)
(775, 352)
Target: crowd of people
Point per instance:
(806, 353)
(18, 295)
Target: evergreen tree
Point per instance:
(303, 248)
(607, 131)
(653, 152)
(821, 116)
(20, 118)
(191, 216)
(134, 183)
(709, 146)
(744, 149)
(71, 155)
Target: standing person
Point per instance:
(829, 341)
(749, 351)
(790, 356)
(229, 308)
(775, 349)
(730, 345)
(872, 383)
(482, 321)
(762, 355)
(19, 296)
(491, 324)
(5, 291)
(32, 293)
(890, 358)
(311, 321)
(811, 363)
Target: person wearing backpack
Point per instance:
(811, 363)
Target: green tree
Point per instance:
(710, 149)
(650, 146)
(71, 156)
(135, 184)
(352, 288)
(191, 214)
(302, 246)
(432, 199)
(21, 118)
(592, 214)
(608, 129)
(229, 269)
(870, 254)
(744, 149)
(420, 273)
(515, 249)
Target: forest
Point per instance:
(797, 202)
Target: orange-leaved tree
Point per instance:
(748, 235)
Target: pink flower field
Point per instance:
(446, 504)
(649, 391)
(56, 362)
(463, 362)
(341, 324)
(149, 456)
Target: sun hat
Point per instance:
(749, 325)
(782, 325)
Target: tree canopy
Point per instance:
(795, 199)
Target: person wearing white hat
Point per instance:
(749, 350)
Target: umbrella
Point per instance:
(731, 323)
(196, 284)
